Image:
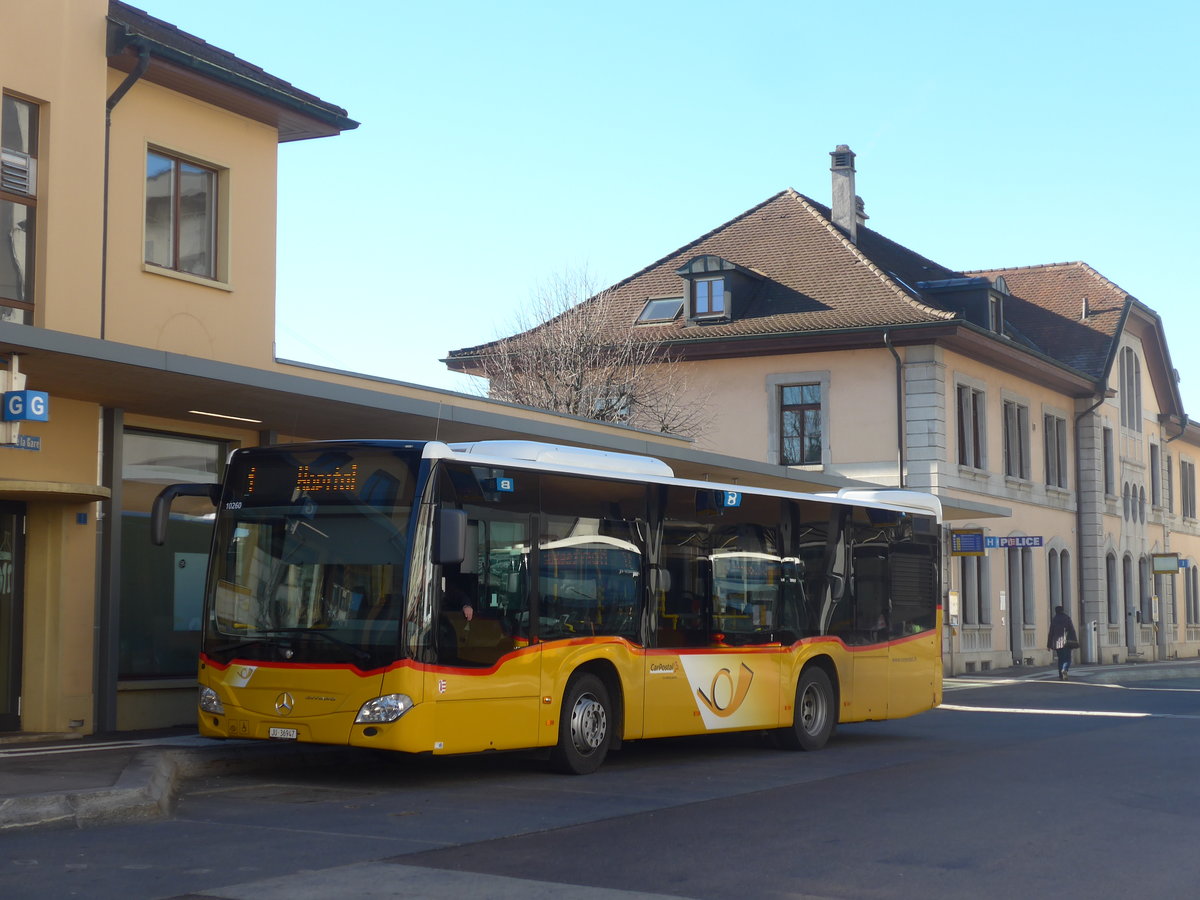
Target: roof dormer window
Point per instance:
(708, 298)
(712, 285)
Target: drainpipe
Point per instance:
(887, 342)
(139, 70)
(108, 533)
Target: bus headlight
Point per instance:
(210, 702)
(387, 708)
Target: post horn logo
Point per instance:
(284, 704)
(724, 697)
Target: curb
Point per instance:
(141, 792)
(147, 787)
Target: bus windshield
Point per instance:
(308, 563)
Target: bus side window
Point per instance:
(591, 552)
(492, 579)
(684, 613)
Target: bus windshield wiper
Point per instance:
(234, 648)
(358, 652)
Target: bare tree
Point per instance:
(568, 354)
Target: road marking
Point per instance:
(964, 684)
(86, 748)
(36, 750)
(1054, 712)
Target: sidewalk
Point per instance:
(65, 781)
(1127, 672)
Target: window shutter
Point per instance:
(18, 173)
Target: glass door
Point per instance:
(12, 556)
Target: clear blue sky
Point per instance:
(504, 142)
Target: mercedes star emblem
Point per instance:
(284, 704)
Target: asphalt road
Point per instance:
(1010, 790)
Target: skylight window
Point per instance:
(660, 309)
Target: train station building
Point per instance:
(1048, 390)
(137, 324)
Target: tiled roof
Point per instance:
(1047, 303)
(225, 65)
(815, 280)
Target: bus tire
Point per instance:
(814, 715)
(584, 728)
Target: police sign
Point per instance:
(1020, 540)
(26, 406)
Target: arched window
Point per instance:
(1193, 578)
(973, 587)
(1054, 580)
(1064, 563)
(1131, 390)
(1146, 605)
(1028, 594)
(1114, 595)
(1127, 584)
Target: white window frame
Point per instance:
(1109, 449)
(1129, 393)
(1021, 442)
(1056, 446)
(1187, 488)
(1155, 476)
(972, 393)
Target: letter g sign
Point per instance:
(26, 406)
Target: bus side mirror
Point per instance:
(161, 510)
(837, 585)
(451, 537)
(660, 580)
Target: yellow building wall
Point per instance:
(62, 68)
(231, 319)
(60, 566)
(860, 415)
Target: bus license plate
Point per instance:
(282, 734)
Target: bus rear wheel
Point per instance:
(584, 728)
(814, 715)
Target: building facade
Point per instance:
(137, 318)
(1045, 395)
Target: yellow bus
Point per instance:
(441, 598)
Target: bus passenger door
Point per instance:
(916, 660)
(680, 629)
(486, 674)
(866, 634)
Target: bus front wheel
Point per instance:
(814, 715)
(584, 728)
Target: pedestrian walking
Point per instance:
(1062, 640)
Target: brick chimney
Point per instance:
(847, 207)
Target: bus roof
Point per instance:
(580, 460)
(571, 457)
